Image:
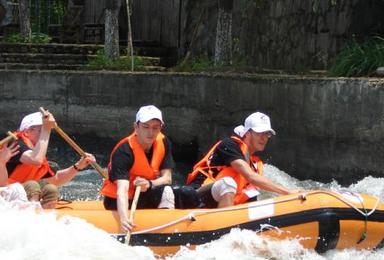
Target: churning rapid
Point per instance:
(25, 234)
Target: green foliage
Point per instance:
(44, 13)
(239, 57)
(204, 63)
(123, 63)
(35, 38)
(359, 59)
(196, 64)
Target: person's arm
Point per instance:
(5, 154)
(260, 181)
(166, 166)
(37, 155)
(164, 179)
(121, 163)
(63, 176)
(123, 205)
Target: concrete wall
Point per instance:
(284, 34)
(327, 128)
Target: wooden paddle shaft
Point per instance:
(132, 212)
(11, 136)
(77, 148)
(80, 151)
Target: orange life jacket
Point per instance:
(26, 172)
(141, 167)
(203, 167)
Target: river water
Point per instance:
(27, 235)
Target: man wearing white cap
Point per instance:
(144, 159)
(230, 173)
(31, 165)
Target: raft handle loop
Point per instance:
(191, 217)
(302, 197)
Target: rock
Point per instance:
(380, 71)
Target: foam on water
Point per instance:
(25, 234)
(245, 244)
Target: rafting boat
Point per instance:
(324, 219)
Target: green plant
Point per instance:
(359, 59)
(35, 38)
(238, 57)
(204, 63)
(100, 61)
(196, 64)
(44, 13)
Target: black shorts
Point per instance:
(147, 200)
(205, 195)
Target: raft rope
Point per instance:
(193, 214)
(365, 213)
(364, 233)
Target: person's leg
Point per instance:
(32, 188)
(17, 192)
(110, 203)
(157, 197)
(49, 196)
(226, 200)
(186, 197)
(167, 199)
(224, 191)
(14, 192)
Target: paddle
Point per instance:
(132, 212)
(11, 136)
(76, 147)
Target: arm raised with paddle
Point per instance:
(11, 137)
(77, 148)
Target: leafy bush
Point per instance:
(123, 63)
(359, 59)
(35, 38)
(196, 64)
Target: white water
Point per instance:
(27, 235)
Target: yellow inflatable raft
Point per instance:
(326, 220)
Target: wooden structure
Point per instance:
(153, 21)
(156, 21)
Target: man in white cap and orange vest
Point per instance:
(30, 165)
(144, 159)
(230, 173)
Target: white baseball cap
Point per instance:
(147, 113)
(31, 120)
(258, 122)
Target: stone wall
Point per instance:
(285, 34)
(327, 127)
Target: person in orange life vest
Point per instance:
(226, 175)
(144, 159)
(12, 192)
(30, 165)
